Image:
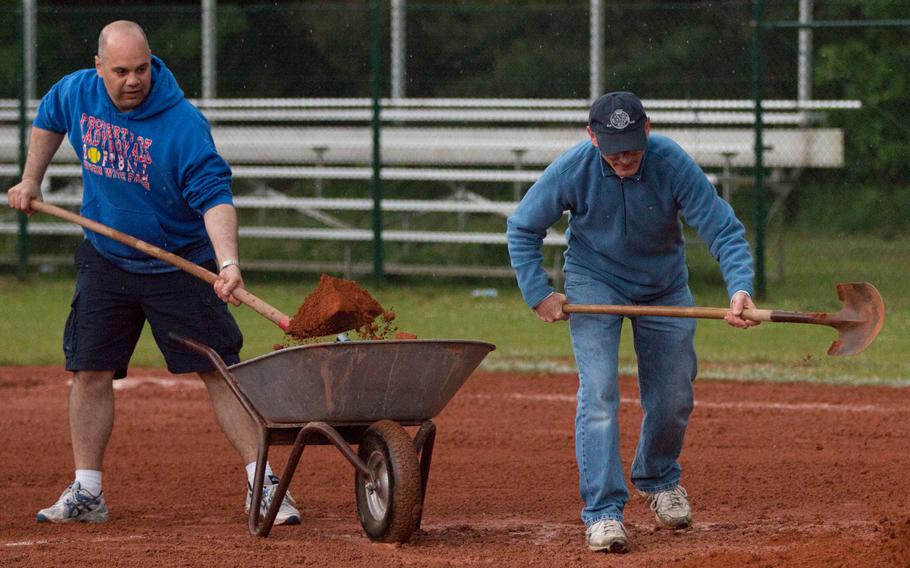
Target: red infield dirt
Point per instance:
(778, 474)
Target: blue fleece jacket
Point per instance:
(626, 231)
(151, 172)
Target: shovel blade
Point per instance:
(860, 320)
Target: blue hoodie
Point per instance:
(151, 172)
(626, 231)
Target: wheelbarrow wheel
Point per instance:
(389, 505)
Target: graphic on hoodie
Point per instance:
(114, 152)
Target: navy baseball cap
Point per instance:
(618, 121)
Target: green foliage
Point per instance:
(870, 65)
(497, 50)
(470, 49)
(843, 206)
(879, 133)
(298, 50)
(9, 51)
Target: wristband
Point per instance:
(227, 263)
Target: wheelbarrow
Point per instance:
(350, 393)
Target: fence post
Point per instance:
(399, 49)
(596, 56)
(757, 83)
(26, 35)
(804, 55)
(376, 87)
(209, 48)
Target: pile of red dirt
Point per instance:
(380, 328)
(338, 305)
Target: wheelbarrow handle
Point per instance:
(246, 297)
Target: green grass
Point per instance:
(34, 312)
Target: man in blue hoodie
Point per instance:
(149, 169)
(624, 191)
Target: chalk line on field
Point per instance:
(782, 372)
(162, 382)
(542, 531)
(81, 539)
(757, 405)
(128, 383)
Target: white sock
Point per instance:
(90, 480)
(251, 473)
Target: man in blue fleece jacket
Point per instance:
(149, 169)
(624, 191)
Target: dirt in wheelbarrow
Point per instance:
(336, 306)
(779, 475)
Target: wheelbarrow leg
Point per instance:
(268, 521)
(255, 502)
(423, 443)
(300, 443)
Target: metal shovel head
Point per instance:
(860, 319)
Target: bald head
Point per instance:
(124, 63)
(122, 32)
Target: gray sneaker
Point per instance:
(608, 535)
(287, 513)
(75, 505)
(671, 507)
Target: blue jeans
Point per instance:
(667, 367)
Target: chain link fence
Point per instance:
(486, 95)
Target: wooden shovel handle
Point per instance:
(666, 311)
(269, 312)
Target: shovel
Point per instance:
(857, 323)
(269, 312)
(335, 306)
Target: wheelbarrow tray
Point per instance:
(353, 382)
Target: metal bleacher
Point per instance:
(449, 145)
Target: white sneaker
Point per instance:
(671, 507)
(75, 505)
(608, 535)
(287, 513)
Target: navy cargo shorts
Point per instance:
(110, 307)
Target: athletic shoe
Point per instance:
(608, 535)
(287, 513)
(75, 505)
(671, 507)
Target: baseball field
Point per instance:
(778, 474)
(387, 142)
(792, 458)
